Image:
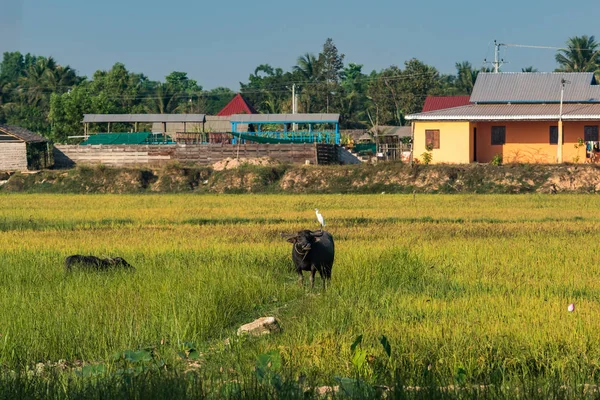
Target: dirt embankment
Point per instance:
(266, 177)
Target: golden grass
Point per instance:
(478, 282)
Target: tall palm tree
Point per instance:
(308, 66)
(61, 79)
(581, 55)
(33, 86)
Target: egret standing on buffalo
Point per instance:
(320, 218)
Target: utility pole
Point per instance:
(294, 105)
(498, 62)
(559, 157)
(497, 56)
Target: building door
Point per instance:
(474, 144)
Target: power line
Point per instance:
(274, 89)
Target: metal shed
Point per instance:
(315, 127)
(135, 119)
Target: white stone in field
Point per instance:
(262, 326)
(571, 307)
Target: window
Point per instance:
(554, 135)
(432, 139)
(590, 133)
(498, 135)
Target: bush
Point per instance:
(497, 159)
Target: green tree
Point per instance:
(466, 76)
(269, 89)
(581, 55)
(217, 98)
(394, 93)
(383, 94)
(124, 90)
(163, 100)
(330, 67)
(529, 69)
(308, 66)
(66, 112)
(353, 97)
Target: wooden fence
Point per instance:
(156, 155)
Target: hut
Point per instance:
(22, 150)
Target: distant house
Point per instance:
(390, 130)
(516, 117)
(22, 150)
(220, 123)
(433, 103)
(237, 105)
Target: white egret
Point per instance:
(320, 218)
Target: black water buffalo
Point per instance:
(93, 262)
(312, 251)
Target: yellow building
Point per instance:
(515, 116)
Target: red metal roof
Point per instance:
(237, 105)
(433, 103)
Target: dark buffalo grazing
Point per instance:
(98, 264)
(312, 251)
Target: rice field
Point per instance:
(428, 291)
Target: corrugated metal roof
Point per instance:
(389, 130)
(237, 105)
(433, 103)
(284, 118)
(92, 118)
(23, 134)
(535, 87)
(512, 112)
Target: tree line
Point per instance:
(39, 94)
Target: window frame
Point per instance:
(586, 128)
(553, 127)
(494, 135)
(433, 140)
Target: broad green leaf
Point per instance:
(356, 342)
(386, 345)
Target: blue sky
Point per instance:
(219, 43)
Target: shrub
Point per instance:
(497, 159)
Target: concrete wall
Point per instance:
(529, 141)
(13, 157)
(455, 142)
(526, 141)
(156, 155)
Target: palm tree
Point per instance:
(529, 69)
(163, 100)
(466, 76)
(61, 79)
(34, 85)
(581, 55)
(308, 66)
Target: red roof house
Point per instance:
(237, 105)
(434, 103)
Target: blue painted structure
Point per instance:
(304, 136)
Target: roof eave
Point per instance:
(468, 118)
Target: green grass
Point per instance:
(468, 290)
